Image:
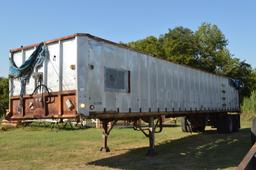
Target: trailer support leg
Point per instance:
(151, 137)
(105, 134)
(105, 147)
(150, 131)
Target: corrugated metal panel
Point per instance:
(53, 67)
(69, 64)
(155, 84)
(31, 85)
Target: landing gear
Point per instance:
(151, 129)
(106, 131)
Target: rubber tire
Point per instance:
(236, 122)
(198, 123)
(230, 124)
(201, 128)
(183, 121)
(225, 123)
(194, 124)
(198, 128)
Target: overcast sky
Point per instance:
(26, 22)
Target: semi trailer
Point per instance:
(82, 75)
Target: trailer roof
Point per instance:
(14, 50)
(66, 38)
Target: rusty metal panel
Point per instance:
(57, 105)
(68, 107)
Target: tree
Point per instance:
(212, 51)
(243, 71)
(4, 97)
(149, 45)
(180, 45)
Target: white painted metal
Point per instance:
(31, 85)
(17, 58)
(155, 85)
(53, 68)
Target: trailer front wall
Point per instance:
(59, 75)
(58, 72)
(155, 84)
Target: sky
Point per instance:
(29, 21)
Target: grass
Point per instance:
(43, 148)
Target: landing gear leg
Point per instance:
(105, 134)
(151, 137)
(152, 129)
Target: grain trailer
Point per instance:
(84, 75)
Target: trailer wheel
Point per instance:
(230, 124)
(184, 124)
(225, 123)
(201, 128)
(197, 123)
(236, 122)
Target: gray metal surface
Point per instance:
(156, 85)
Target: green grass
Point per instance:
(43, 148)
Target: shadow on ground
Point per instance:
(208, 150)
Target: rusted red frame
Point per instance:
(60, 105)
